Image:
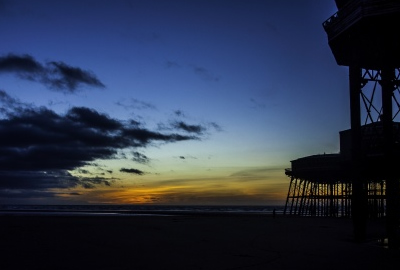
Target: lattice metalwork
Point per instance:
(332, 199)
(370, 95)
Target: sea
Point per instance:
(137, 210)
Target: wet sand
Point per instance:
(188, 242)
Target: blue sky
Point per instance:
(227, 93)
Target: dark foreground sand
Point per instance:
(188, 242)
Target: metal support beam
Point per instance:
(392, 185)
(359, 201)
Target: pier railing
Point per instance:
(354, 11)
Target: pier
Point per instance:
(362, 180)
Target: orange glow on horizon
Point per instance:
(225, 190)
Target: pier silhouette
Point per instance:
(361, 181)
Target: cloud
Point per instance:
(9, 103)
(187, 157)
(38, 184)
(23, 64)
(57, 76)
(93, 119)
(140, 158)
(182, 126)
(40, 139)
(84, 171)
(14, 180)
(38, 147)
(215, 126)
(133, 171)
(198, 129)
(139, 137)
(136, 104)
(179, 113)
(60, 76)
(92, 182)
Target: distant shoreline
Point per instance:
(126, 210)
(127, 213)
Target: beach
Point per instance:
(189, 242)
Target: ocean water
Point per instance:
(127, 210)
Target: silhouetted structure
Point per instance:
(362, 180)
(321, 185)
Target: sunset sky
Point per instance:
(164, 102)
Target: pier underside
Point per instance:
(321, 185)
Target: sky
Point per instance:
(164, 102)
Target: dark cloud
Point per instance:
(92, 182)
(39, 146)
(198, 129)
(140, 158)
(188, 128)
(21, 64)
(60, 76)
(55, 75)
(134, 123)
(40, 139)
(139, 137)
(14, 180)
(9, 103)
(179, 113)
(133, 171)
(187, 157)
(94, 119)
